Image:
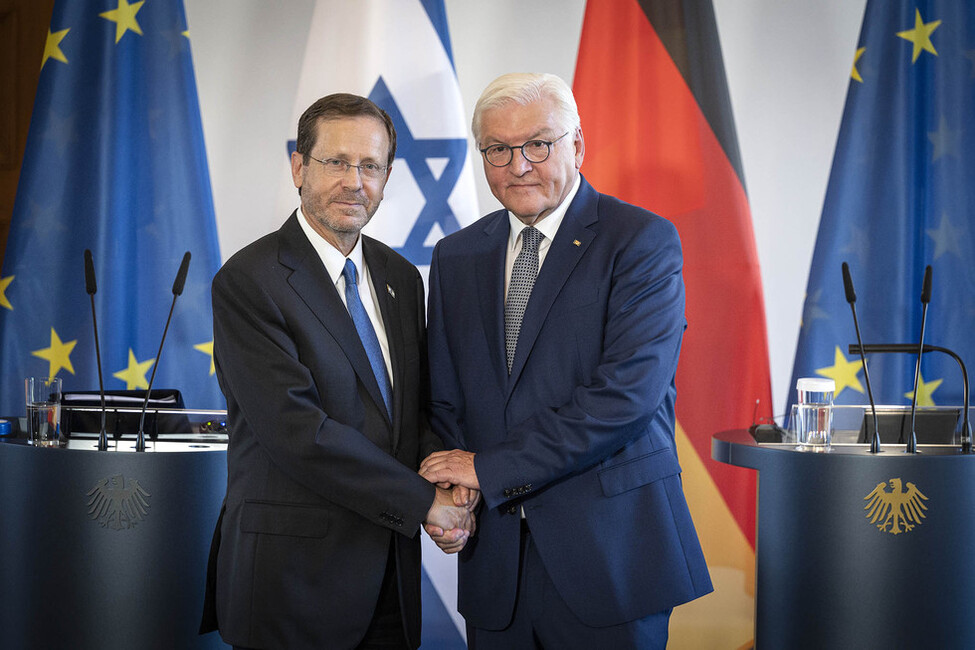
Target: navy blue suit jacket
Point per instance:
(581, 434)
(320, 479)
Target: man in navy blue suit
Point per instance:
(554, 331)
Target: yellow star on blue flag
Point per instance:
(925, 391)
(124, 18)
(52, 47)
(58, 355)
(4, 302)
(207, 348)
(134, 375)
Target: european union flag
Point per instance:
(115, 163)
(901, 196)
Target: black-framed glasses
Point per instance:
(338, 167)
(534, 151)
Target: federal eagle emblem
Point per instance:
(897, 509)
(118, 503)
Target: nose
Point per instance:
(519, 165)
(352, 177)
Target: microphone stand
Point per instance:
(897, 348)
(925, 299)
(91, 288)
(140, 442)
(851, 298)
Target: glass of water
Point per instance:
(43, 410)
(814, 413)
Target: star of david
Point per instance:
(436, 191)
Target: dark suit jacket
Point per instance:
(319, 478)
(582, 432)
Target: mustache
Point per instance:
(350, 197)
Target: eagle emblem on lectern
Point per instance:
(118, 503)
(897, 510)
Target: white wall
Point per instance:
(787, 62)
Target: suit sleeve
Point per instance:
(639, 347)
(276, 396)
(448, 404)
(429, 442)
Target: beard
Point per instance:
(333, 212)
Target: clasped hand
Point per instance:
(450, 521)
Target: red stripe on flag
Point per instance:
(648, 143)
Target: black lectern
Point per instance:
(860, 550)
(106, 549)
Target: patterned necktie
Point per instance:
(523, 275)
(367, 334)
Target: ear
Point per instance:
(382, 190)
(297, 167)
(580, 146)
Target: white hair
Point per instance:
(525, 88)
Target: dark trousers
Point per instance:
(542, 620)
(386, 630)
(386, 627)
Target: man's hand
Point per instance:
(455, 467)
(449, 525)
(463, 496)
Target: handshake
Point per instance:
(450, 520)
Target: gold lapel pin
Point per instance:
(390, 291)
(577, 242)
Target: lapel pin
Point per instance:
(577, 242)
(390, 291)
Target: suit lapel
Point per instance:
(311, 282)
(377, 261)
(570, 244)
(490, 266)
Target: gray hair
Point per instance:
(525, 88)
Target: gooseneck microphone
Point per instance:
(91, 287)
(851, 297)
(925, 299)
(140, 442)
(908, 348)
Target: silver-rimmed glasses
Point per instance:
(338, 167)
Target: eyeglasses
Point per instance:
(534, 151)
(337, 168)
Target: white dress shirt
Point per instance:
(334, 263)
(547, 226)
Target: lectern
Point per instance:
(107, 549)
(861, 550)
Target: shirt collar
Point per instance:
(550, 224)
(330, 256)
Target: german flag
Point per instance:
(659, 133)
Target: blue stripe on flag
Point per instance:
(439, 631)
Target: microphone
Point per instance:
(966, 427)
(91, 287)
(140, 442)
(925, 299)
(851, 297)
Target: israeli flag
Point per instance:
(397, 53)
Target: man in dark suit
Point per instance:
(554, 330)
(320, 350)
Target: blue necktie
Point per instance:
(367, 334)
